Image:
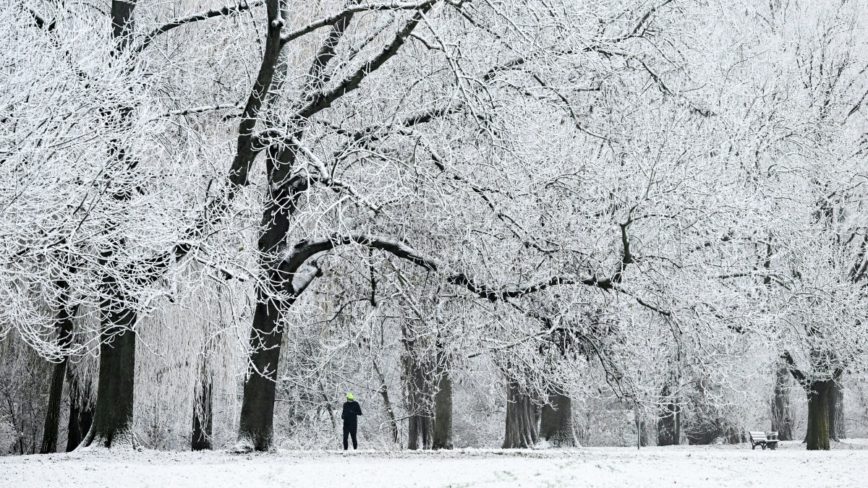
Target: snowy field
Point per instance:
(708, 466)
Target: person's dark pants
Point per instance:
(350, 430)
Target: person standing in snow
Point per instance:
(352, 410)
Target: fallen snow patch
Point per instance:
(790, 466)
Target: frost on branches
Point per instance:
(501, 223)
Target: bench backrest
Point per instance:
(758, 436)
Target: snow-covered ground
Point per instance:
(707, 466)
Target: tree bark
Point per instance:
(837, 428)
(113, 414)
(817, 437)
(64, 338)
(80, 412)
(122, 12)
(642, 433)
(556, 421)
(257, 407)
(521, 419)
(202, 420)
(52, 415)
(782, 410)
(421, 420)
(420, 428)
(669, 423)
(443, 412)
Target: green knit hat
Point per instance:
(350, 396)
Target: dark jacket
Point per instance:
(352, 410)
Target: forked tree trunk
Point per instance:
(202, 420)
(113, 414)
(817, 437)
(837, 430)
(64, 337)
(80, 412)
(443, 411)
(521, 419)
(782, 410)
(257, 408)
(556, 421)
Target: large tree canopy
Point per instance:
(272, 199)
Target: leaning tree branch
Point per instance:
(202, 109)
(324, 99)
(244, 155)
(349, 12)
(209, 14)
(794, 370)
(294, 258)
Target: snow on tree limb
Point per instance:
(226, 11)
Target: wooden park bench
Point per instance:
(769, 440)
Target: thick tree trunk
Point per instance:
(669, 426)
(556, 421)
(80, 421)
(421, 420)
(113, 414)
(642, 433)
(443, 412)
(521, 419)
(64, 337)
(52, 415)
(782, 411)
(817, 438)
(202, 420)
(837, 430)
(257, 407)
(669, 422)
(420, 428)
(80, 412)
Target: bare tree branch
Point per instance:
(323, 100)
(209, 14)
(349, 12)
